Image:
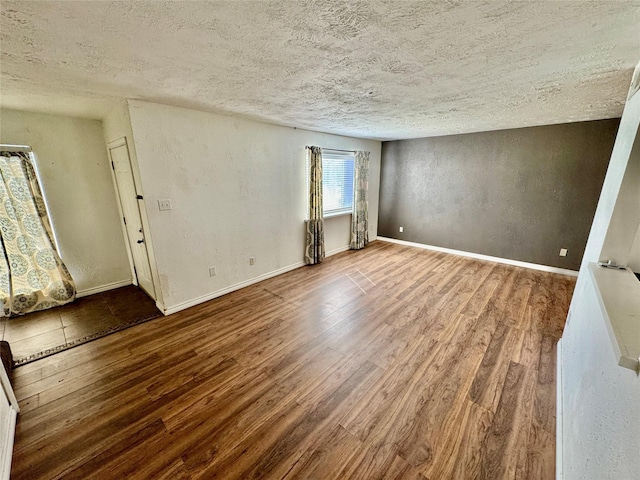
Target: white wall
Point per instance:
(634, 256)
(599, 431)
(72, 160)
(601, 400)
(117, 125)
(238, 190)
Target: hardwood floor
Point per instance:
(391, 362)
(39, 334)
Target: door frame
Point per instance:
(122, 142)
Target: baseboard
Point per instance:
(103, 288)
(238, 286)
(559, 470)
(160, 307)
(479, 256)
(232, 288)
(336, 251)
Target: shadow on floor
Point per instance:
(40, 334)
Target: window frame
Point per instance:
(329, 156)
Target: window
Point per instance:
(337, 182)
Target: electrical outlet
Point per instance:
(252, 260)
(164, 204)
(212, 271)
(401, 229)
(563, 252)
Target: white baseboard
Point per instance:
(336, 250)
(232, 288)
(479, 256)
(559, 471)
(238, 286)
(103, 288)
(160, 307)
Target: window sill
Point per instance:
(332, 215)
(619, 296)
(338, 214)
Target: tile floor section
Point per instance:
(86, 317)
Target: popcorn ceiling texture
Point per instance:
(385, 70)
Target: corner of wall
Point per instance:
(117, 124)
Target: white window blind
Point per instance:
(337, 182)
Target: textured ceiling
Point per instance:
(376, 69)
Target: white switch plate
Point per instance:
(212, 271)
(252, 260)
(164, 204)
(563, 252)
(401, 229)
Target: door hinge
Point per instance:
(124, 220)
(113, 167)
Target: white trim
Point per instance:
(559, 472)
(338, 213)
(103, 288)
(15, 148)
(238, 286)
(479, 256)
(232, 288)
(336, 250)
(160, 307)
(6, 444)
(5, 384)
(119, 142)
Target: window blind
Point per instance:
(337, 182)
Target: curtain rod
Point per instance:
(15, 148)
(334, 149)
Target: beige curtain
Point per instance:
(314, 246)
(360, 214)
(32, 276)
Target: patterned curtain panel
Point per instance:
(314, 247)
(32, 276)
(360, 215)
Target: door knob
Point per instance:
(141, 241)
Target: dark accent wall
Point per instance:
(520, 194)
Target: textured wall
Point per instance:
(238, 189)
(599, 432)
(601, 413)
(519, 194)
(623, 226)
(74, 167)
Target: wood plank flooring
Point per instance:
(39, 334)
(387, 363)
